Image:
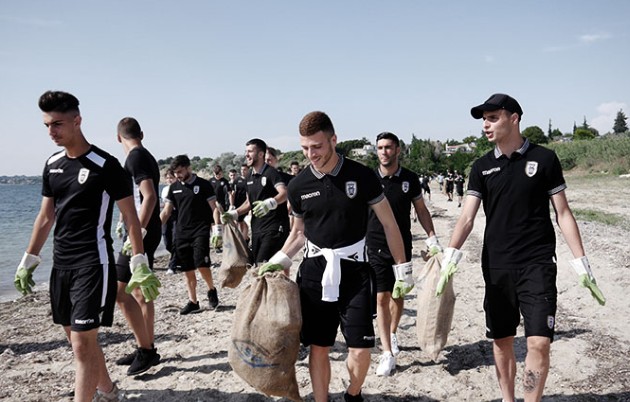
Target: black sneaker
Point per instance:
(145, 359)
(213, 298)
(126, 360)
(352, 398)
(190, 307)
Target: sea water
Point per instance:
(19, 205)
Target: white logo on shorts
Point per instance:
(83, 175)
(551, 321)
(405, 186)
(531, 168)
(351, 189)
(196, 189)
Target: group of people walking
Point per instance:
(352, 223)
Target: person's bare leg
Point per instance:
(91, 371)
(148, 314)
(191, 285)
(536, 367)
(319, 370)
(358, 364)
(133, 315)
(505, 366)
(383, 319)
(206, 274)
(396, 307)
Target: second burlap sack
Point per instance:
(265, 336)
(236, 257)
(435, 314)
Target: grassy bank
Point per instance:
(610, 155)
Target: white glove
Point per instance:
(24, 273)
(404, 280)
(434, 245)
(262, 208)
(126, 248)
(229, 216)
(217, 236)
(449, 267)
(587, 280)
(120, 229)
(279, 261)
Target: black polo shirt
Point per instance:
(221, 188)
(194, 214)
(335, 206)
(141, 165)
(516, 193)
(84, 190)
(260, 186)
(239, 187)
(401, 189)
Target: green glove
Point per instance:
(448, 268)
(229, 217)
(434, 245)
(120, 229)
(24, 273)
(404, 280)
(279, 261)
(143, 277)
(262, 208)
(586, 278)
(126, 248)
(216, 241)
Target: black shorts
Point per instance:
(265, 245)
(83, 298)
(382, 262)
(150, 242)
(354, 310)
(530, 291)
(193, 253)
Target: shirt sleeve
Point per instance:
(118, 182)
(138, 166)
(555, 177)
(475, 182)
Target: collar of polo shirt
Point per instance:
(521, 150)
(333, 172)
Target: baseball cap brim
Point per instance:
(496, 102)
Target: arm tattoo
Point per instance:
(531, 379)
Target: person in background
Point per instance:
(79, 187)
(170, 227)
(516, 182)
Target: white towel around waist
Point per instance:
(332, 273)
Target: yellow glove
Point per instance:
(434, 245)
(586, 278)
(279, 261)
(229, 216)
(126, 248)
(404, 280)
(143, 277)
(216, 241)
(262, 208)
(24, 273)
(449, 267)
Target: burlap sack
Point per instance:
(265, 337)
(236, 257)
(435, 314)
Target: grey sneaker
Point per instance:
(115, 395)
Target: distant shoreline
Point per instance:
(20, 179)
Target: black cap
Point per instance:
(496, 102)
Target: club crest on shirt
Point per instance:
(196, 189)
(531, 168)
(405, 186)
(351, 189)
(83, 175)
(263, 181)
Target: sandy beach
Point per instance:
(590, 355)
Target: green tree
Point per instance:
(582, 133)
(620, 125)
(535, 134)
(422, 156)
(555, 134)
(483, 145)
(469, 139)
(344, 147)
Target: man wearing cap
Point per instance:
(516, 181)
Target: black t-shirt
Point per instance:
(335, 206)
(84, 190)
(221, 189)
(239, 187)
(141, 165)
(261, 186)
(515, 192)
(194, 214)
(459, 183)
(401, 190)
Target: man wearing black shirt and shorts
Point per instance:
(238, 195)
(402, 189)
(140, 315)
(266, 197)
(79, 187)
(330, 201)
(194, 199)
(516, 181)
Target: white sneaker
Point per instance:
(115, 395)
(170, 271)
(394, 342)
(386, 365)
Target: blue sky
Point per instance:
(203, 77)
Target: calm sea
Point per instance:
(19, 205)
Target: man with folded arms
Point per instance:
(79, 187)
(516, 181)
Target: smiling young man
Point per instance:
(79, 187)
(402, 189)
(330, 201)
(516, 181)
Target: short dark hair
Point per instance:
(217, 169)
(180, 161)
(233, 171)
(169, 170)
(293, 163)
(259, 144)
(58, 101)
(244, 165)
(315, 122)
(386, 135)
(129, 128)
(272, 151)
